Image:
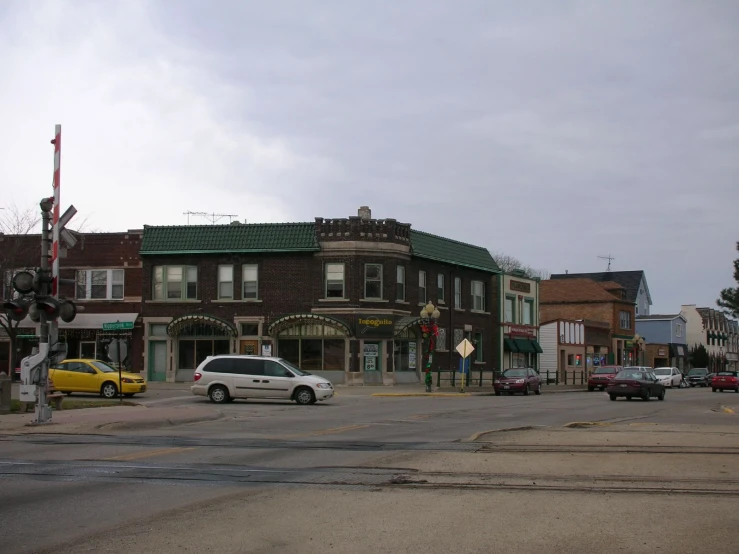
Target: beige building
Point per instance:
(519, 321)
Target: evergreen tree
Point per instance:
(729, 298)
(698, 356)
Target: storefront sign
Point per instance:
(266, 350)
(375, 326)
(411, 355)
(371, 353)
(519, 286)
(661, 352)
(521, 330)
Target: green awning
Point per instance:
(537, 346)
(509, 345)
(525, 346)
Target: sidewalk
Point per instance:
(102, 420)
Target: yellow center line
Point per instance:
(149, 453)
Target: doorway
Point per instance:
(87, 350)
(562, 363)
(249, 347)
(372, 362)
(157, 360)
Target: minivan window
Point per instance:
(219, 365)
(274, 369)
(296, 370)
(249, 366)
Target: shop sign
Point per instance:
(661, 352)
(371, 353)
(375, 326)
(521, 330)
(519, 286)
(266, 350)
(412, 355)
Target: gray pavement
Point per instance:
(384, 474)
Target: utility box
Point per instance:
(28, 394)
(5, 387)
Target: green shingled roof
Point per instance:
(432, 247)
(206, 239)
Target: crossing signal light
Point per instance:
(53, 309)
(23, 282)
(16, 310)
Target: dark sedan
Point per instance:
(633, 383)
(519, 379)
(699, 377)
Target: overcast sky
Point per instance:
(553, 131)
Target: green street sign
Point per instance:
(118, 326)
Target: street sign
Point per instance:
(118, 326)
(465, 348)
(464, 365)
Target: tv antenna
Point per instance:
(212, 217)
(609, 258)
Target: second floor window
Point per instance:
(226, 281)
(175, 282)
(373, 280)
(99, 284)
(625, 319)
(440, 288)
(422, 287)
(458, 293)
(528, 312)
(250, 277)
(478, 296)
(678, 330)
(509, 309)
(334, 280)
(400, 280)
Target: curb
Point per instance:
(476, 436)
(155, 424)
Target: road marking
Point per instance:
(418, 394)
(150, 453)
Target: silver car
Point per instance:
(227, 377)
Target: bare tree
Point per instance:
(508, 264)
(16, 252)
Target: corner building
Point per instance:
(338, 297)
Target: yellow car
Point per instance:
(94, 376)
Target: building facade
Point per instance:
(107, 273)
(518, 337)
(338, 297)
(665, 338)
(715, 331)
(583, 299)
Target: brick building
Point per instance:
(604, 302)
(107, 273)
(339, 297)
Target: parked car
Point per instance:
(635, 383)
(226, 377)
(699, 377)
(669, 376)
(95, 376)
(518, 379)
(725, 380)
(600, 377)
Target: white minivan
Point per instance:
(226, 377)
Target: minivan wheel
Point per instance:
(304, 396)
(109, 390)
(218, 394)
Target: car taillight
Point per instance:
(196, 377)
(636, 384)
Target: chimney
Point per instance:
(364, 213)
(567, 271)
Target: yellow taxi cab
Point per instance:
(82, 375)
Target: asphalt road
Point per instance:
(277, 477)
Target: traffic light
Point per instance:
(53, 308)
(17, 309)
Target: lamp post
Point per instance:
(429, 331)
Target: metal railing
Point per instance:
(485, 377)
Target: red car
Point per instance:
(725, 380)
(601, 376)
(518, 379)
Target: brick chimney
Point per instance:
(364, 213)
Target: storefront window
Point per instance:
(309, 347)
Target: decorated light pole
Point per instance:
(429, 331)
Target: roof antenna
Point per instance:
(212, 217)
(609, 258)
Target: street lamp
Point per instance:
(429, 331)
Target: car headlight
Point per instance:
(497, 382)
(127, 380)
(519, 381)
(323, 386)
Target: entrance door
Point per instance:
(372, 362)
(87, 350)
(249, 347)
(157, 360)
(562, 363)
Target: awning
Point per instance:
(176, 325)
(678, 350)
(87, 321)
(404, 322)
(525, 346)
(287, 321)
(537, 346)
(509, 345)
